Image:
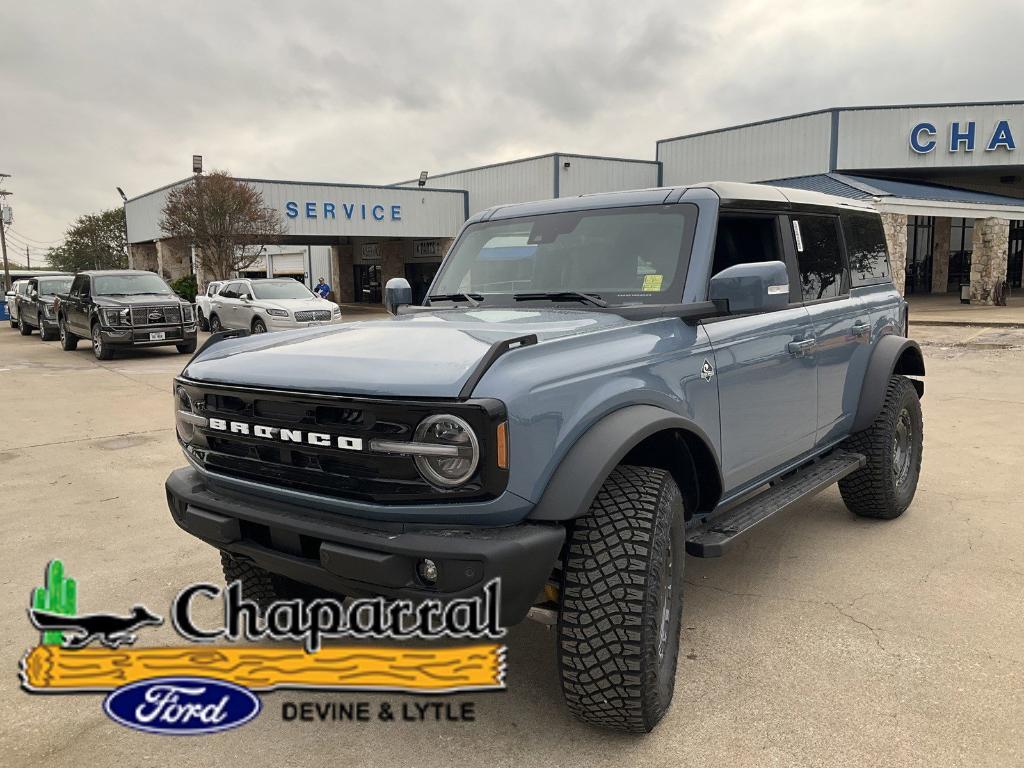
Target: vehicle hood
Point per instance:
(130, 301)
(429, 354)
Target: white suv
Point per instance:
(275, 304)
(203, 302)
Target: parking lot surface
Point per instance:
(820, 639)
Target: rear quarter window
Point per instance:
(865, 249)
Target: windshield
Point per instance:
(621, 255)
(55, 285)
(285, 289)
(130, 285)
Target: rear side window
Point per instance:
(819, 257)
(865, 249)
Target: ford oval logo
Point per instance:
(182, 705)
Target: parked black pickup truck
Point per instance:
(124, 308)
(36, 305)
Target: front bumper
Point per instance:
(365, 558)
(142, 337)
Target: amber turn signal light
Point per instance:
(503, 445)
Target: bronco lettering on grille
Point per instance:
(318, 439)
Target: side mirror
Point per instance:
(397, 292)
(760, 286)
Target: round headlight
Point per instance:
(183, 405)
(457, 465)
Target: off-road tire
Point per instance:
(68, 340)
(187, 348)
(100, 350)
(618, 627)
(263, 587)
(258, 326)
(24, 328)
(880, 489)
(45, 334)
(215, 324)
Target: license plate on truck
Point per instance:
(158, 336)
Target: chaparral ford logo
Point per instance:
(318, 439)
(206, 687)
(182, 705)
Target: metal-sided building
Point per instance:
(359, 236)
(947, 178)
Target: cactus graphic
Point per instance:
(58, 596)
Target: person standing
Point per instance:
(323, 290)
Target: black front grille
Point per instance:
(332, 471)
(162, 315)
(311, 315)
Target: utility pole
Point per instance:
(28, 259)
(3, 238)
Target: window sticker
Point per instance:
(652, 283)
(796, 234)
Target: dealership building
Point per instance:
(360, 236)
(948, 180)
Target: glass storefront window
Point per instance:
(920, 240)
(961, 244)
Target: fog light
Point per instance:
(427, 570)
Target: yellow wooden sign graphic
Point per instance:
(50, 668)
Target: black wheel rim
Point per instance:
(902, 447)
(664, 615)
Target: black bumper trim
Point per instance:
(352, 558)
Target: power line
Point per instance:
(34, 240)
(17, 240)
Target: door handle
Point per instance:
(802, 347)
(861, 329)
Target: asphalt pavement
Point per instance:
(821, 639)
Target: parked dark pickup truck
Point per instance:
(122, 309)
(36, 306)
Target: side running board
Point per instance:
(719, 530)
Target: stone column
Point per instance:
(160, 246)
(895, 226)
(940, 254)
(344, 281)
(988, 261)
(392, 264)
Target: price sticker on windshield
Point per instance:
(652, 283)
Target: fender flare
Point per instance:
(893, 354)
(591, 459)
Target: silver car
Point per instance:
(274, 304)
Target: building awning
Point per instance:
(891, 196)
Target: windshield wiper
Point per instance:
(586, 298)
(472, 298)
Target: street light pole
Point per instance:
(127, 245)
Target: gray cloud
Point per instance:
(100, 94)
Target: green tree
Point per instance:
(94, 241)
(226, 219)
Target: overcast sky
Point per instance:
(99, 94)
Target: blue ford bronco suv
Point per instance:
(594, 388)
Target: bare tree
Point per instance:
(226, 219)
